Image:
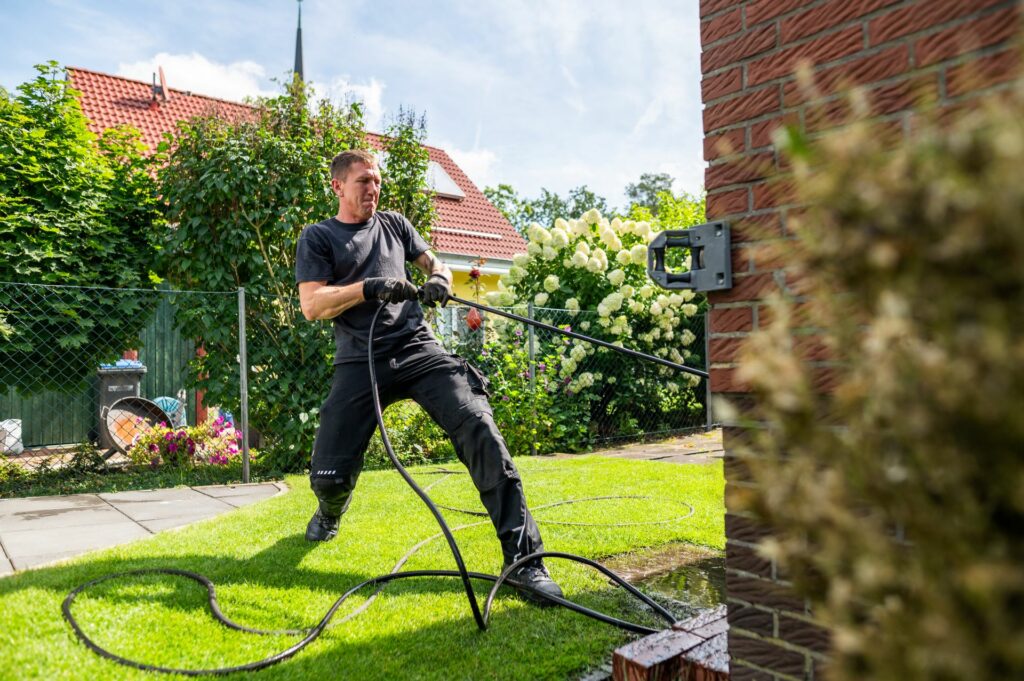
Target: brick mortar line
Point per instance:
(723, 11)
(936, 28)
(974, 94)
(776, 675)
(840, 61)
(939, 67)
(782, 47)
(785, 645)
(787, 15)
(863, 21)
(975, 54)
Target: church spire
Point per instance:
(298, 47)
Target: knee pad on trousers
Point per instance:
(333, 494)
(483, 450)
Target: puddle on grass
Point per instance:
(686, 579)
(691, 576)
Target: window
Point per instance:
(442, 183)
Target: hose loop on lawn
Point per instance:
(310, 634)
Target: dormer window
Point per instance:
(442, 183)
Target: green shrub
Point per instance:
(898, 495)
(590, 274)
(414, 436)
(76, 211)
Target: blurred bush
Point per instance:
(893, 472)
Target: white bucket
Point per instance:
(10, 437)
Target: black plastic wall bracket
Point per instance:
(710, 258)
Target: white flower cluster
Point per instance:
(599, 264)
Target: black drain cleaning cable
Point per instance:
(312, 633)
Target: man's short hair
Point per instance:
(343, 161)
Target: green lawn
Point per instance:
(269, 577)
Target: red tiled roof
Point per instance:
(474, 213)
(108, 101)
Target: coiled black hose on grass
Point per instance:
(312, 633)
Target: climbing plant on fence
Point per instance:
(77, 211)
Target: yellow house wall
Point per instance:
(462, 286)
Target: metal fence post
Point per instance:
(243, 382)
(707, 367)
(532, 351)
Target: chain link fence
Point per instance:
(80, 369)
(553, 393)
(69, 354)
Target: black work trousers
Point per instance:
(454, 394)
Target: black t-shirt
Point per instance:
(341, 253)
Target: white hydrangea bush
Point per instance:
(591, 273)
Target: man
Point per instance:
(347, 266)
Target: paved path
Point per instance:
(36, 531)
(702, 447)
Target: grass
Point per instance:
(80, 480)
(269, 577)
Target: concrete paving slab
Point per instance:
(36, 531)
(43, 559)
(164, 503)
(245, 500)
(266, 489)
(30, 505)
(160, 524)
(27, 543)
(44, 518)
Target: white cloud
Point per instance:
(478, 164)
(342, 90)
(196, 73)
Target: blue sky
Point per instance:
(534, 93)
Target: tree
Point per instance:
(240, 193)
(546, 208)
(671, 211)
(77, 211)
(509, 203)
(403, 171)
(646, 192)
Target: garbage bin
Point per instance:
(123, 378)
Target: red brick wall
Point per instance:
(901, 52)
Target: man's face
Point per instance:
(358, 193)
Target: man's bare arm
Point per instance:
(320, 301)
(430, 264)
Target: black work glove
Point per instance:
(388, 289)
(436, 290)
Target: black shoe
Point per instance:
(537, 577)
(321, 527)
